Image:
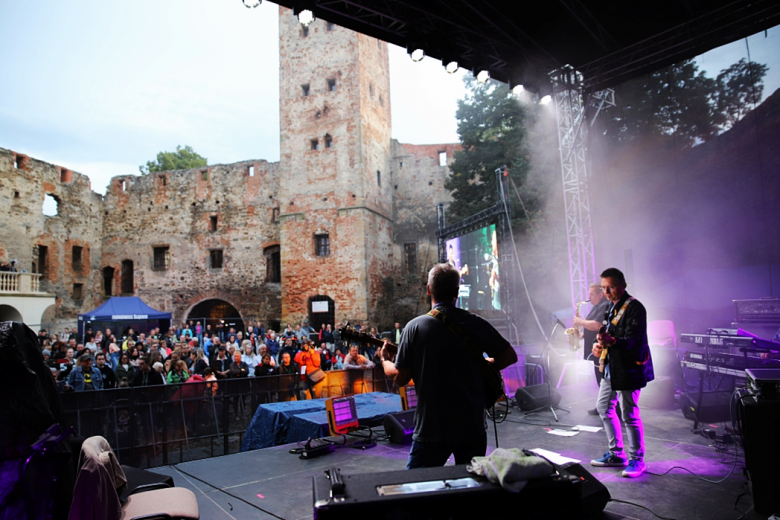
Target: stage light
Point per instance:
(483, 76)
(252, 3)
(306, 16)
(518, 89)
(545, 100)
(451, 67)
(417, 55)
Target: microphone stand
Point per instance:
(546, 350)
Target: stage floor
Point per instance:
(279, 484)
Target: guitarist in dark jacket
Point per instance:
(628, 368)
(450, 413)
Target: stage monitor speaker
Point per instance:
(536, 396)
(595, 495)
(761, 439)
(399, 426)
(714, 406)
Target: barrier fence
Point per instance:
(168, 424)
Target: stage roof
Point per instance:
(520, 42)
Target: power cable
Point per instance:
(642, 507)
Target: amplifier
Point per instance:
(764, 383)
(758, 310)
(447, 492)
(399, 426)
(760, 435)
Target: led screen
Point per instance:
(475, 255)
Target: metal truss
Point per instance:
(572, 137)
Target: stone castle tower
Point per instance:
(341, 228)
(336, 207)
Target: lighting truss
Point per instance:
(572, 138)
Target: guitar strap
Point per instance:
(457, 331)
(619, 315)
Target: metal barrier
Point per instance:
(168, 424)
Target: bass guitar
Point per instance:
(349, 333)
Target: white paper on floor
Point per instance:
(563, 433)
(555, 458)
(592, 429)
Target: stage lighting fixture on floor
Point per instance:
(483, 75)
(252, 3)
(417, 54)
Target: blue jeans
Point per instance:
(435, 454)
(629, 408)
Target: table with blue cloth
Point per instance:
(293, 421)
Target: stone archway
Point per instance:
(211, 311)
(8, 313)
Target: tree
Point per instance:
(183, 158)
(740, 88)
(492, 134)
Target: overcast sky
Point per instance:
(101, 87)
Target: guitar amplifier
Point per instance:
(445, 492)
(766, 310)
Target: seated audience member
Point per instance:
(145, 376)
(287, 365)
(179, 373)
(262, 351)
(265, 368)
(124, 370)
(160, 369)
(337, 360)
(355, 360)
(109, 377)
(84, 376)
(238, 368)
(272, 343)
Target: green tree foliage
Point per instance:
(492, 134)
(740, 88)
(183, 158)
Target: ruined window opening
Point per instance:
(304, 31)
(395, 187)
(378, 178)
(410, 258)
(330, 26)
(315, 144)
(162, 258)
(305, 89)
(205, 175)
(215, 258)
(251, 171)
(332, 84)
(275, 215)
(76, 258)
(430, 183)
(328, 141)
(66, 175)
(322, 244)
(16, 194)
(20, 162)
(108, 281)
(51, 205)
(273, 265)
(164, 180)
(124, 185)
(442, 158)
(401, 164)
(213, 223)
(127, 277)
(42, 260)
(78, 291)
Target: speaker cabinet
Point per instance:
(714, 406)
(761, 439)
(536, 396)
(399, 426)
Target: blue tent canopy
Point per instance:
(126, 309)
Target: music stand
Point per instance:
(546, 350)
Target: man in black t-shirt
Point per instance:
(450, 414)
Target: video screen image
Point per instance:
(475, 255)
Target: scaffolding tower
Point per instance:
(572, 138)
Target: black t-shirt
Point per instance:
(589, 336)
(450, 396)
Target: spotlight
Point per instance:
(518, 89)
(451, 67)
(545, 100)
(252, 3)
(306, 16)
(417, 54)
(483, 76)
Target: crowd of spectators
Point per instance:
(190, 352)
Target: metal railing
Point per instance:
(20, 283)
(168, 424)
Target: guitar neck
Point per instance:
(361, 337)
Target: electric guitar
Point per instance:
(349, 333)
